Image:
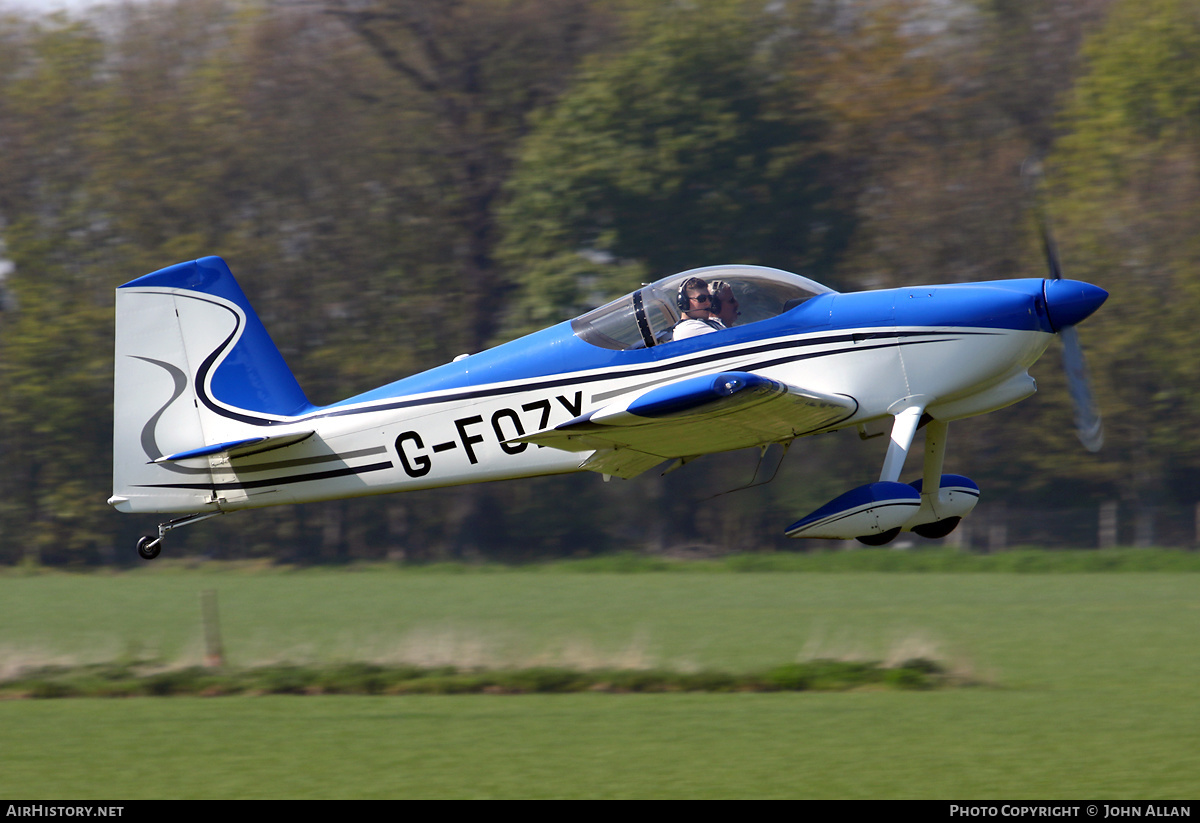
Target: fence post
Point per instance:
(1143, 526)
(998, 528)
(960, 538)
(1108, 524)
(214, 655)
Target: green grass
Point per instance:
(1018, 560)
(1021, 560)
(957, 744)
(1094, 685)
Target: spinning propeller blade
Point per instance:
(1087, 415)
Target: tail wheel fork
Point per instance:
(149, 546)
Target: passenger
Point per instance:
(724, 303)
(695, 305)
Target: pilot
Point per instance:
(695, 304)
(725, 305)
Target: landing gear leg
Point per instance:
(903, 430)
(931, 473)
(149, 546)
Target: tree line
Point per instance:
(396, 182)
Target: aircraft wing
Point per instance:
(240, 448)
(698, 415)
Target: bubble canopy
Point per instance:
(646, 317)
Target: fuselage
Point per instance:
(956, 350)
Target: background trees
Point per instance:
(399, 181)
(1129, 163)
(686, 146)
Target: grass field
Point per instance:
(1094, 680)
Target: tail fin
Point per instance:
(194, 367)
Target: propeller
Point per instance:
(1073, 304)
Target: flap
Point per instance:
(623, 463)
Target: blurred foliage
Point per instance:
(684, 147)
(398, 181)
(1129, 183)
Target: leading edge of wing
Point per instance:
(697, 415)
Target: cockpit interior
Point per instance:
(647, 317)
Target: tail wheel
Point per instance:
(881, 539)
(149, 546)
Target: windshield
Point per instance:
(646, 317)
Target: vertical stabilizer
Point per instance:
(194, 367)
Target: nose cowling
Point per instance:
(1071, 301)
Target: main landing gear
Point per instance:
(881, 539)
(937, 529)
(876, 513)
(930, 531)
(149, 546)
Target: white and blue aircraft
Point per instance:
(208, 418)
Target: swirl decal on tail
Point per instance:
(149, 443)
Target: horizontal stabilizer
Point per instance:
(698, 415)
(240, 448)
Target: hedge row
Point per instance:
(123, 680)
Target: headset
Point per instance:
(716, 287)
(681, 299)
